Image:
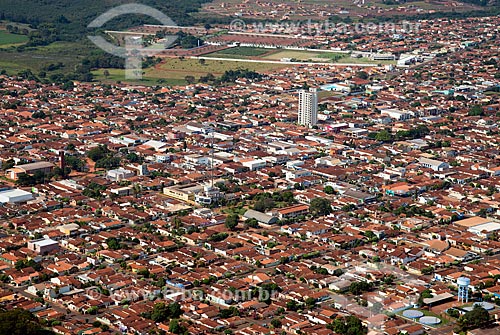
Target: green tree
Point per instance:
(113, 243)
(320, 206)
(359, 287)
(98, 153)
(160, 312)
(384, 136)
(7, 164)
(18, 321)
(232, 221)
(276, 323)
(310, 302)
(329, 190)
(476, 110)
(176, 327)
(478, 317)
(350, 325)
(175, 310)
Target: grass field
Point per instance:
(7, 39)
(240, 52)
(173, 71)
(363, 60)
(299, 55)
(35, 59)
(245, 51)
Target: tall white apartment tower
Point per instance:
(308, 107)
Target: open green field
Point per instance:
(244, 51)
(278, 54)
(7, 39)
(295, 54)
(363, 60)
(35, 59)
(240, 52)
(173, 71)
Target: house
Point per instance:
(292, 211)
(43, 246)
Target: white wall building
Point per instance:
(308, 107)
(15, 196)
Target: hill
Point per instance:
(68, 19)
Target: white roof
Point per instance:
(155, 144)
(489, 227)
(44, 242)
(15, 195)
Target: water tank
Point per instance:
(463, 281)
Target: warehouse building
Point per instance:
(15, 196)
(31, 168)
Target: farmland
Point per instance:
(7, 39)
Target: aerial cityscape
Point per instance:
(250, 167)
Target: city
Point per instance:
(256, 180)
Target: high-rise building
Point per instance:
(308, 107)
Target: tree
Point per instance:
(160, 312)
(425, 294)
(359, 287)
(175, 310)
(362, 75)
(7, 164)
(320, 206)
(232, 221)
(329, 190)
(230, 312)
(106, 73)
(293, 305)
(427, 271)
(350, 325)
(190, 79)
(476, 318)
(476, 110)
(383, 135)
(20, 322)
(113, 243)
(175, 327)
(98, 153)
(310, 302)
(252, 223)
(276, 323)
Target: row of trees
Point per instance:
(386, 136)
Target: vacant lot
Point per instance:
(173, 71)
(36, 58)
(241, 53)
